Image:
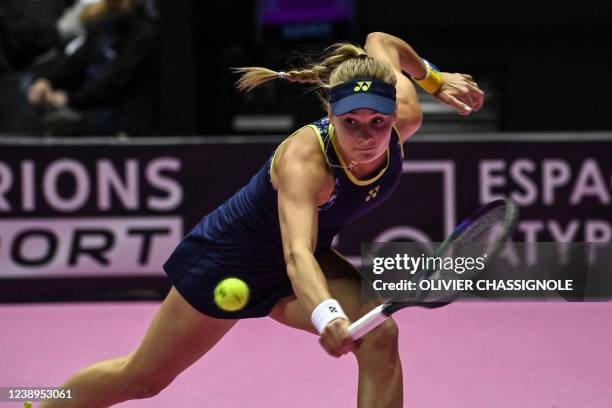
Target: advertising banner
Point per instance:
(106, 210)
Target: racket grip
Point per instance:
(367, 322)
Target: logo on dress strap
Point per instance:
(372, 193)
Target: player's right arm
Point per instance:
(301, 174)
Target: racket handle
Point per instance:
(368, 322)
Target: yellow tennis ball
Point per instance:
(27, 404)
(231, 294)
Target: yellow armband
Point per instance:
(432, 81)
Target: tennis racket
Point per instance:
(490, 225)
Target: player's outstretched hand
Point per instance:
(461, 92)
(336, 339)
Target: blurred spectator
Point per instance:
(105, 82)
(69, 25)
(23, 37)
(27, 36)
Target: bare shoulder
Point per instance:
(302, 145)
(300, 155)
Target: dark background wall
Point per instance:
(548, 62)
(551, 60)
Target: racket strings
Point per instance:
(482, 238)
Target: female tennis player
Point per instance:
(276, 232)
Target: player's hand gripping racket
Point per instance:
(489, 226)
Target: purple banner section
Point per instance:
(279, 12)
(137, 200)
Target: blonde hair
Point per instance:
(341, 62)
(104, 8)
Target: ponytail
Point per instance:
(317, 72)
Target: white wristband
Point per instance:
(327, 311)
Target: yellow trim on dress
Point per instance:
(355, 180)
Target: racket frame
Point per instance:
(378, 315)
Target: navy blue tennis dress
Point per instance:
(242, 237)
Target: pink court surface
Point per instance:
(495, 355)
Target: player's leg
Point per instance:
(177, 337)
(380, 369)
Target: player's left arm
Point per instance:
(409, 117)
(457, 90)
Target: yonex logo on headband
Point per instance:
(362, 86)
(370, 93)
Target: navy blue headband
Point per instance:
(362, 93)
